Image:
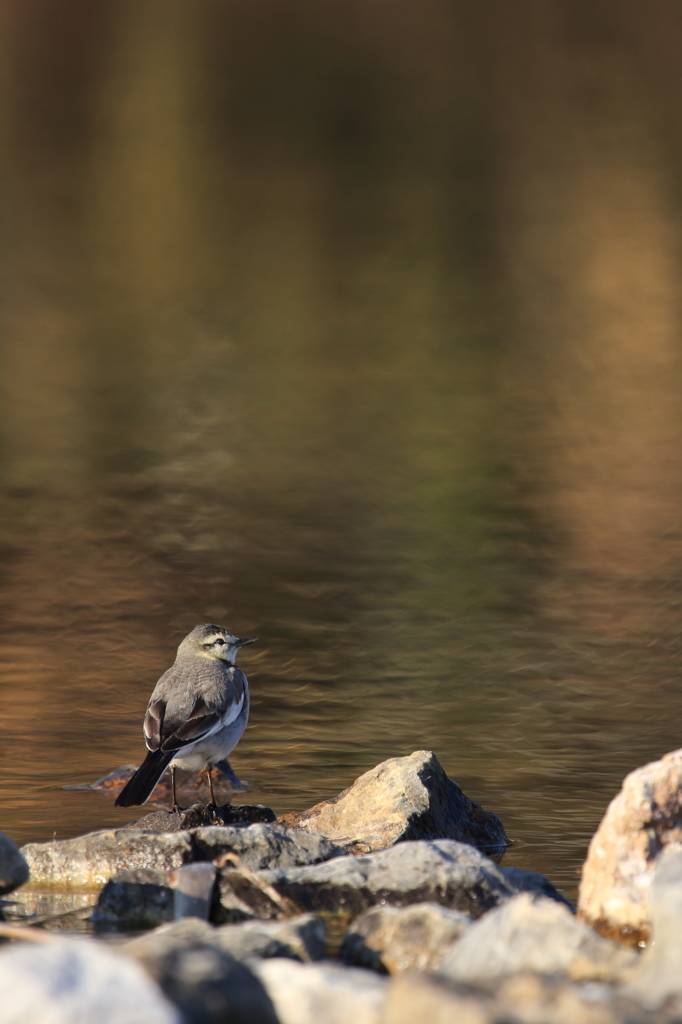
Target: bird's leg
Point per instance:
(175, 809)
(209, 775)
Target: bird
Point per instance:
(196, 714)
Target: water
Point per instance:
(354, 327)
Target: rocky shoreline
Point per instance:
(385, 905)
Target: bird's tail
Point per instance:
(139, 788)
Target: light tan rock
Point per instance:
(397, 939)
(402, 798)
(640, 823)
(416, 998)
(657, 978)
(533, 933)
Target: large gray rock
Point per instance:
(325, 993)
(91, 860)
(207, 984)
(441, 871)
(657, 978)
(640, 823)
(533, 933)
(64, 981)
(402, 798)
(396, 939)
(13, 867)
(299, 938)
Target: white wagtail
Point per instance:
(196, 714)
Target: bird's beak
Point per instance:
(246, 640)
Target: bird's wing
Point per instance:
(171, 724)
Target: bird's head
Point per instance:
(213, 642)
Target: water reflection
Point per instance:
(355, 329)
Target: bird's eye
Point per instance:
(219, 641)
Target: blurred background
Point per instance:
(353, 326)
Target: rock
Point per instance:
(413, 998)
(190, 786)
(300, 938)
(396, 939)
(325, 993)
(207, 984)
(640, 823)
(533, 999)
(402, 798)
(533, 933)
(657, 978)
(203, 814)
(13, 867)
(61, 981)
(144, 898)
(533, 881)
(264, 846)
(522, 999)
(441, 871)
(139, 898)
(91, 860)
(193, 887)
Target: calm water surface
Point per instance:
(355, 328)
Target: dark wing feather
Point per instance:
(153, 724)
(200, 721)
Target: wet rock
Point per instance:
(324, 993)
(402, 798)
(13, 867)
(201, 815)
(441, 871)
(533, 933)
(657, 978)
(65, 980)
(640, 823)
(206, 983)
(139, 898)
(533, 881)
(91, 860)
(413, 998)
(396, 939)
(300, 938)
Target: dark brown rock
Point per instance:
(201, 815)
(402, 798)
